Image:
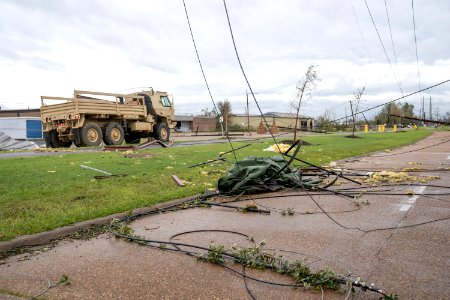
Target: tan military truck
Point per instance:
(89, 118)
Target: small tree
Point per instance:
(324, 121)
(354, 106)
(206, 112)
(224, 108)
(446, 117)
(404, 110)
(304, 85)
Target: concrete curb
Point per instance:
(47, 236)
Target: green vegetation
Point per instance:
(45, 192)
(256, 258)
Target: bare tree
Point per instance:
(224, 108)
(354, 106)
(304, 86)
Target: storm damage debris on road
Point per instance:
(332, 241)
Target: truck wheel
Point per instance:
(162, 132)
(133, 138)
(56, 142)
(91, 134)
(114, 134)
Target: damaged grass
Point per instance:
(41, 193)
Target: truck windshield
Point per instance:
(165, 101)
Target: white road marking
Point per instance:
(411, 200)
(448, 157)
(417, 190)
(405, 207)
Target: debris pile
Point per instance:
(281, 148)
(8, 143)
(395, 177)
(261, 174)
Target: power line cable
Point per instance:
(415, 42)
(390, 33)
(384, 48)
(204, 77)
(400, 98)
(360, 30)
(246, 79)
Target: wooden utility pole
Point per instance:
(423, 107)
(430, 113)
(248, 115)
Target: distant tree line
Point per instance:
(391, 114)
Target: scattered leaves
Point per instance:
(288, 211)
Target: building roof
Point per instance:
(20, 110)
(275, 114)
(284, 115)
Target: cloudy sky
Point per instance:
(51, 47)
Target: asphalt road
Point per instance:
(398, 239)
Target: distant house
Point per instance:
(184, 123)
(282, 120)
(22, 128)
(21, 124)
(188, 123)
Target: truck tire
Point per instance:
(91, 134)
(162, 132)
(48, 139)
(133, 138)
(56, 142)
(113, 134)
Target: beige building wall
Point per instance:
(204, 124)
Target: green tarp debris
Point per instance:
(262, 174)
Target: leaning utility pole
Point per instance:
(345, 109)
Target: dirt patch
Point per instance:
(353, 137)
(290, 142)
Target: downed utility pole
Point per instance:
(145, 145)
(318, 167)
(220, 158)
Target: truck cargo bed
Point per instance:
(89, 106)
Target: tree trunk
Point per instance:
(226, 123)
(298, 111)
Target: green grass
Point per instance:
(45, 192)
